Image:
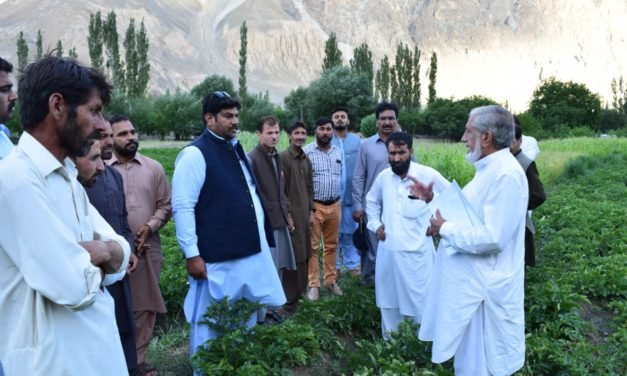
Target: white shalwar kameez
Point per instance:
(474, 308)
(405, 257)
(253, 278)
(56, 317)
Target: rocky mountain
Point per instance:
(498, 48)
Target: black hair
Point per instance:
(5, 66)
(383, 106)
(116, 118)
(400, 138)
(270, 120)
(295, 124)
(517, 131)
(337, 109)
(322, 121)
(64, 76)
(217, 101)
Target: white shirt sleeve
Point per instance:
(187, 182)
(45, 250)
(374, 199)
(103, 231)
(497, 230)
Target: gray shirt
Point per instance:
(372, 159)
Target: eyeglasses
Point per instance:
(221, 94)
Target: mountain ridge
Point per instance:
(497, 48)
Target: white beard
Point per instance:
(474, 155)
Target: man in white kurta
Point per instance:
(405, 252)
(56, 318)
(54, 247)
(474, 309)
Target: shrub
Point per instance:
(368, 126)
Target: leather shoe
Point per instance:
(335, 289)
(313, 294)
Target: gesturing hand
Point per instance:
(436, 223)
(420, 190)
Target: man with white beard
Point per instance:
(405, 251)
(474, 308)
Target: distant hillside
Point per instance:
(497, 48)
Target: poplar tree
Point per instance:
(131, 59)
(59, 49)
(332, 53)
(382, 81)
(143, 66)
(433, 71)
(619, 95)
(40, 47)
(362, 62)
(243, 33)
(416, 91)
(95, 40)
(113, 63)
(22, 51)
(405, 77)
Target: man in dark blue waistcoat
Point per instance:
(221, 225)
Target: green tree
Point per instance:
(143, 65)
(405, 77)
(22, 51)
(560, 106)
(433, 71)
(131, 58)
(341, 85)
(382, 81)
(40, 46)
(332, 53)
(95, 40)
(619, 95)
(447, 117)
(414, 97)
(297, 106)
(213, 83)
(113, 63)
(362, 61)
(59, 49)
(177, 113)
(256, 106)
(72, 53)
(243, 33)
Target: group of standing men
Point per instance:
(249, 226)
(72, 225)
(232, 212)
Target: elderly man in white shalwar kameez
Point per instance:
(405, 253)
(474, 308)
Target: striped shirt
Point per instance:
(327, 171)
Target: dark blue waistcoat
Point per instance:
(226, 224)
